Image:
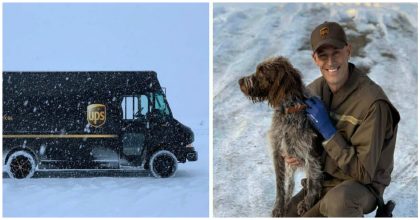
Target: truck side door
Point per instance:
(135, 125)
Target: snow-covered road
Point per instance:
(114, 193)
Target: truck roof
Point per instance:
(81, 82)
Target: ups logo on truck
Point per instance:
(96, 115)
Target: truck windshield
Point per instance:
(160, 104)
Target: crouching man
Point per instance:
(358, 125)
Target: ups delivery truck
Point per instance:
(90, 120)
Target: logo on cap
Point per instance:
(324, 32)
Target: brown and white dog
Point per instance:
(291, 134)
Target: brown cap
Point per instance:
(328, 33)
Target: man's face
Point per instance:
(333, 63)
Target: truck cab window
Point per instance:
(135, 107)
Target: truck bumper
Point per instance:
(192, 155)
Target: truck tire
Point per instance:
(163, 164)
(20, 165)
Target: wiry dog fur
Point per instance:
(276, 81)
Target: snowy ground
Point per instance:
(115, 194)
(384, 38)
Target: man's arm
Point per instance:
(358, 157)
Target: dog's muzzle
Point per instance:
(246, 84)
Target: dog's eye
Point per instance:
(269, 76)
(259, 68)
(259, 73)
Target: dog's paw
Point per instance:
(277, 212)
(301, 208)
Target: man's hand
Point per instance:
(292, 161)
(318, 115)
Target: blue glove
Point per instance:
(318, 115)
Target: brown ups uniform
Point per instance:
(362, 150)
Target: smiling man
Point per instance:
(357, 125)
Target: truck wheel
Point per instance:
(163, 164)
(20, 165)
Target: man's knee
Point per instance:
(346, 200)
(338, 203)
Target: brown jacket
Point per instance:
(366, 121)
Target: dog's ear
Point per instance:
(296, 86)
(276, 94)
(287, 84)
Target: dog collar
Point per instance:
(295, 108)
